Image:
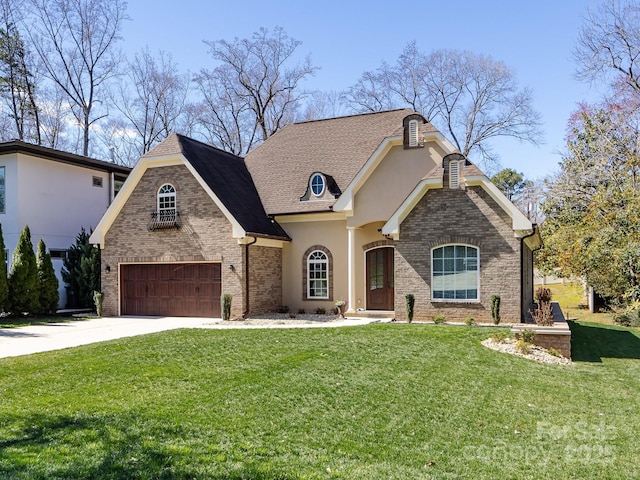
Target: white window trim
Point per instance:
(413, 133)
(324, 184)
(167, 213)
(310, 261)
(456, 300)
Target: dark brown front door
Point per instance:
(380, 279)
(171, 289)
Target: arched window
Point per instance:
(455, 273)
(166, 203)
(318, 275)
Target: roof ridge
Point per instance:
(340, 117)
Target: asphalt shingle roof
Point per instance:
(227, 176)
(339, 147)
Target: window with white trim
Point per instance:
(318, 275)
(455, 273)
(167, 203)
(413, 133)
(454, 174)
(317, 184)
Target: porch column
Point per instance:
(351, 268)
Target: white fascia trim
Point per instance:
(97, 237)
(310, 217)
(519, 221)
(345, 202)
(237, 230)
(392, 227)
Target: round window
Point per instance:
(317, 184)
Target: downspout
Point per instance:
(246, 276)
(533, 232)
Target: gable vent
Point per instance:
(413, 133)
(454, 174)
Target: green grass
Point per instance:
(374, 402)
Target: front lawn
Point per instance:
(374, 402)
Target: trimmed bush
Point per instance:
(410, 301)
(48, 283)
(81, 272)
(439, 319)
(527, 335)
(495, 308)
(225, 301)
(4, 285)
(321, 311)
(469, 321)
(24, 294)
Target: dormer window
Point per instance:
(411, 130)
(317, 184)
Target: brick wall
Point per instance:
(467, 216)
(265, 279)
(205, 235)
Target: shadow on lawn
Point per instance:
(56, 447)
(592, 343)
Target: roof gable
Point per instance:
(223, 176)
(339, 147)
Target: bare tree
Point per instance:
(17, 85)
(76, 42)
(253, 92)
(154, 99)
(471, 98)
(609, 44)
(324, 105)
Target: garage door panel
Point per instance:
(171, 289)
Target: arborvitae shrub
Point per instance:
(4, 285)
(24, 291)
(48, 283)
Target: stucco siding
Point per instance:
(205, 235)
(466, 216)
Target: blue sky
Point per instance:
(346, 38)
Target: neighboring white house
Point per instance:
(56, 194)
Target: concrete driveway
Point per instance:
(56, 336)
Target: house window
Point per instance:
(97, 182)
(317, 184)
(57, 254)
(413, 133)
(2, 191)
(454, 174)
(455, 273)
(167, 203)
(318, 275)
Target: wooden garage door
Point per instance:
(175, 290)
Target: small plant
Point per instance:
(554, 352)
(543, 294)
(543, 314)
(410, 301)
(225, 300)
(469, 321)
(321, 311)
(495, 308)
(523, 347)
(98, 297)
(499, 337)
(439, 319)
(527, 335)
(292, 315)
(301, 311)
(283, 309)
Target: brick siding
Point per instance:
(468, 216)
(265, 279)
(205, 235)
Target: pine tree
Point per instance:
(23, 277)
(4, 286)
(47, 280)
(81, 271)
